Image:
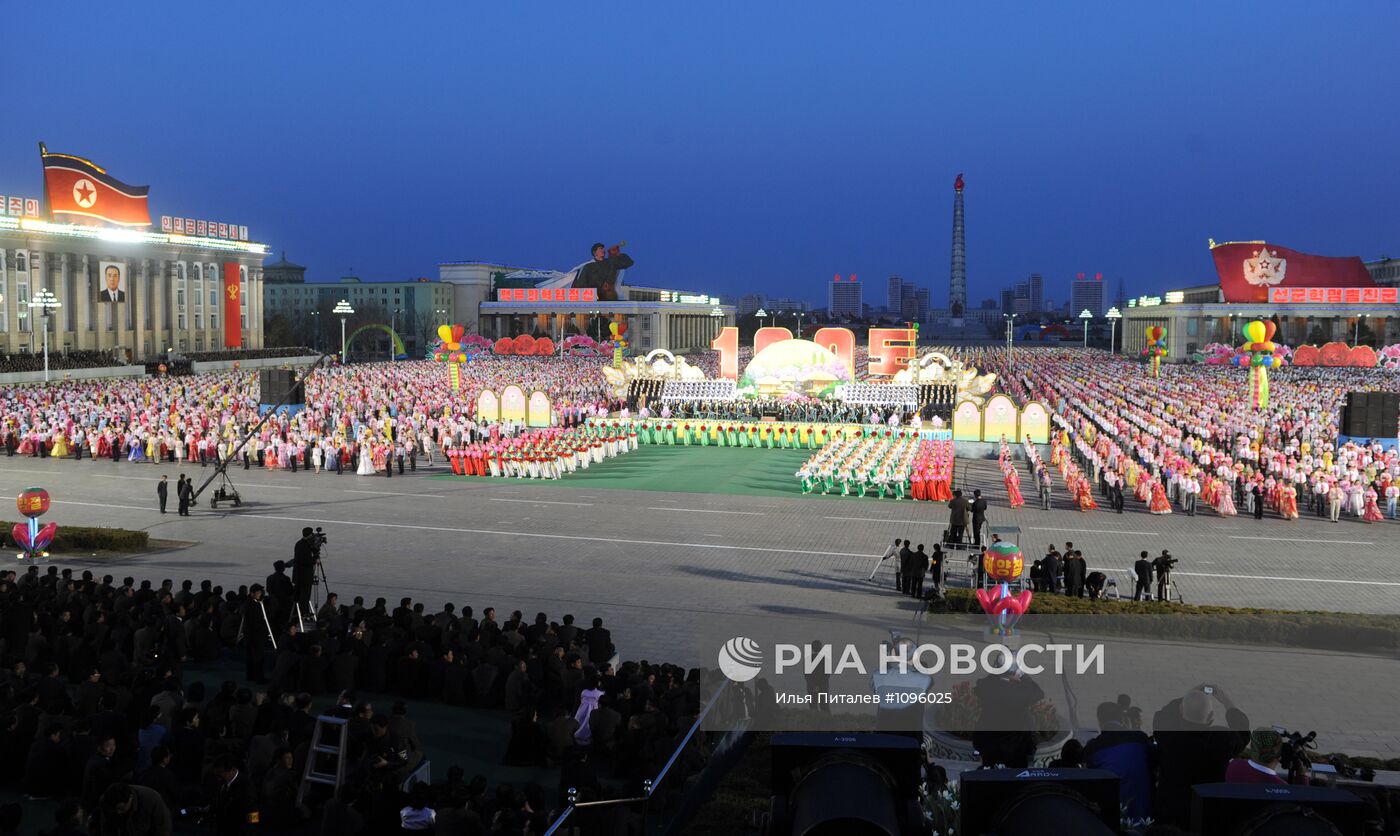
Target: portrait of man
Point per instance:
(113, 281)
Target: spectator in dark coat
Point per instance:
(1192, 749)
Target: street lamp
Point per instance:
(394, 327)
(316, 329)
(1010, 338)
(1113, 316)
(799, 323)
(343, 310)
(1086, 315)
(1356, 332)
(45, 303)
(762, 315)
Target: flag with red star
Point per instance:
(80, 191)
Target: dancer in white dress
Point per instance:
(366, 467)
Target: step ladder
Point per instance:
(320, 750)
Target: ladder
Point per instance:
(320, 749)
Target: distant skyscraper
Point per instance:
(1087, 293)
(844, 298)
(1122, 299)
(749, 303)
(957, 279)
(1036, 286)
(894, 296)
(921, 304)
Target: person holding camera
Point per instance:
(1162, 565)
(305, 555)
(1259, 764)
(1192, 749)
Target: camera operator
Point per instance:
(1162, 566)
(305, 555)
(1260, 762)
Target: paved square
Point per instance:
(655, 565)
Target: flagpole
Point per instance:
(44, 198)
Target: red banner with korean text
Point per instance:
(1250, 271)
(547, 294)
(233, 322)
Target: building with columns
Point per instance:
(173, 297)
(1197, 316)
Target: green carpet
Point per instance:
(727, 470)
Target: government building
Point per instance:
(1314, 299)
(137, 289)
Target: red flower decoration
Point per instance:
(525, 344)
(504, 346)
(544, 347)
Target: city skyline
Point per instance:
(1084, 149)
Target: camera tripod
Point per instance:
(318, 579)
(1166, 589)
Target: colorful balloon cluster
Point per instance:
(1002, 561)
(33, 539)
(1258, 354)
(451, 352)
(1156, 346)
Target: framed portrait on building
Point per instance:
(112, 281)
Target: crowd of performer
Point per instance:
(541, 454)
(364, 419)
(1191, 439)
(888, 465)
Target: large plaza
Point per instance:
(656, 564)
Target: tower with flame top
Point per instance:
(957, 279)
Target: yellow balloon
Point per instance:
(1254, 331)
(445, 333)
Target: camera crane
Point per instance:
(226, 492)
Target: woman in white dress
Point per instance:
(317, 456)
(366, 467)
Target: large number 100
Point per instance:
(891, 349)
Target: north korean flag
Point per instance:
(78, 188)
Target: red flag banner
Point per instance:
(233, 323)
(78, 188)
(1250, 270)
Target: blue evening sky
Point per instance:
(737, 146)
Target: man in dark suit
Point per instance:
(906, 568)
(304, 556)
(1075, 570)
(1050, 567)
(163, 491)
(234, 806)
(112, 276)
(957, 513)
(183, 507)
(1258, 494)
(599, 641)
(919, 568)
(255, 634)
(935, 569)
(979, 516)
(1143, 570)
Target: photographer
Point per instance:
(1163, 567)
(1193, 750)
(305, 555)
(1260, 762)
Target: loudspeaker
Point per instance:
(1266, 809)
(829, 784)
(1079, 801)
(280, 385)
